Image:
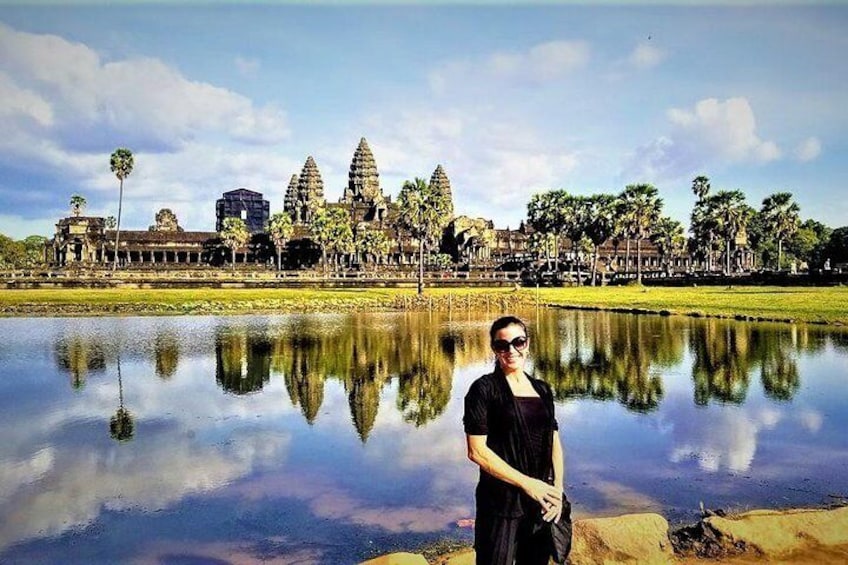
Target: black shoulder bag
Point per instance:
(561, 533)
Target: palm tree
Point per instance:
(330, 229)
(600, 224)
(781, 219)
(121, 426)
(424, 213)
(77, 204)
(643, 206)
(280, 229)
(702, 224)
(731, 215)
(234, 235)
(701, 187)
(372, 242)
(121, 164)
(541, 215)
(341, 242)
(669, 239)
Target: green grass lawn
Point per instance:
(809, 304)
(822, 304)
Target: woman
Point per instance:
(513, 436)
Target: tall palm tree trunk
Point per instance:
(595, 264)
(779, 254)
(118, 225)
(421, 265)
(639, 260)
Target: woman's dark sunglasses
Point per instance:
(502, 345)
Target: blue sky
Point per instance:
(510, 99)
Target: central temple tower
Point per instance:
(363, 185)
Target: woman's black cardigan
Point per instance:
(491, 410)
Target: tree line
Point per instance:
(569, 227)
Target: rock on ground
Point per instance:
(632, 538)
(397, 559)
(777, 534)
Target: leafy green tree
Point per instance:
(781, 219)
(77, 205)
(600, 224)
(809, 243)
(642, 206)
(12, 253)
(234, 235)
(424, 214)
(837, 247)
(280, 230)
(121, 162)
(34, 250)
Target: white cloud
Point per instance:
(23, 103)
(808, 149)
(246, 66)
(725, 439)
(712, 132)
(66, 108)
(645, 56)
(541, 63)
(143, 102)
(491, 160)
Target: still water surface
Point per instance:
(329, 438)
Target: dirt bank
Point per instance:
(760, 536)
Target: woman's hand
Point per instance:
(546, 495)
(552, 512)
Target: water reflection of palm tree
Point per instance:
(778, 368)
(242, 360)
(722, 361)
(779, 374)
(605, 357)
(167, 355)
(121, 426)
(79, 356)
(424, 389)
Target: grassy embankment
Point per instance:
(803, 304)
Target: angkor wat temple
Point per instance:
(469, 242)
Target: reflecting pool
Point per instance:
(332, 438)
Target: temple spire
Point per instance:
(310, 191)
(440, 181)
(363, 179)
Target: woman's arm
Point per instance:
(493, 464)
(558, 462)
(552, 513)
